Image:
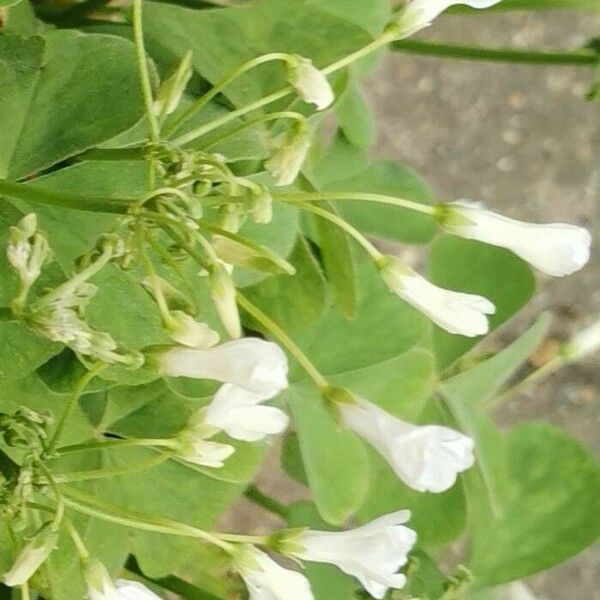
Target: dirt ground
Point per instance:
(523, 140)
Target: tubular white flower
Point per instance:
(266, 580)
(253, 364)
(31, 558)
(189, 332)
(133, 590)
(418, 14)
(287, 160)
(222, 292)
(456, 312)
(372, 553)
(309, 82)
(194, 448)
(427, 458)
(239, 413)
(556, 249)
(99, 583)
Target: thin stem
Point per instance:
(345, 226)
(412, 46)
(120, 443)
(94, 474)
(254, 494)
(284, 114)
(84, 555)
(79, 389)
(285, 339)
(36, 194)
(115, 514)
(220, 86)
(362, 196)
(60, 505)
(235, 538)
(138, 35)
(24, 588)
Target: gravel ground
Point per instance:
(523, 140)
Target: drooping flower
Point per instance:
(287, 160)
(418, 14)
(240, 414)
(426, 458)
(99, 583)
(309, 82)
(372, 553)
(456, 312)
(133, 590)
(31, 558)
(555, 249)
(253, 364)
(266, 580)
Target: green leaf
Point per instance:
(468, 266)
(294, 302)
(95, 78)
(380, 177)
(551, 513)
(355, 118)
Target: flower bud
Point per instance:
(223, 294)
(171, 89)
(287, 160)
(261, 206)
(193, 447)
(98, 582)
(31, 558)
(583, 343)
(309, 82)
(245, 253)
(185, 330)
(27, 250)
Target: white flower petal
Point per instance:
(310, 83)
(31, 558)
(256, 365)
(427, 458)
(456, 312)
(585, 342)
(192, 333)
(238, 412)
(207, 454)
(556, 249)
(133, 590)
(287, 160)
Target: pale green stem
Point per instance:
(285, 339)
(120, 443)
(68, 287)
(361, 196)
(220, 86)
(60, 505)
(84, 555)
(24, 588)
(260, 540)
(284, 114)
(377, 257)
(138, 36)
(115, 514)
(79, 389)
(94, 474)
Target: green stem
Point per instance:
(33, 193)
(89, 505)
(283, 114)
(121, 443)
(24, 588)
(138, 36)
(60, 505)
(345, 226)
(220, 86)
(412, 46)
(285, 339)
(94, 474)
(254, 494)
(84, 555)
(79, 389)
(362, 196)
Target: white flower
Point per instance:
(189, 332)
(556, 249)
(309, 82)
(99, 583)
(31, 558)
(583, 343)
(418, 14)
(27, 250)
(266, 580)
(261, 206)
(239, 413)
(427, 458)
(256, 365)
(194, 448)
(372, 553)
(287, 160)
(133, 590)
(222, 292)
(456, 312)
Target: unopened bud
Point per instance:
(222, 291)
(31, 558)
(309, 82)
(171, 89)
(99, 583)
(287, 160)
